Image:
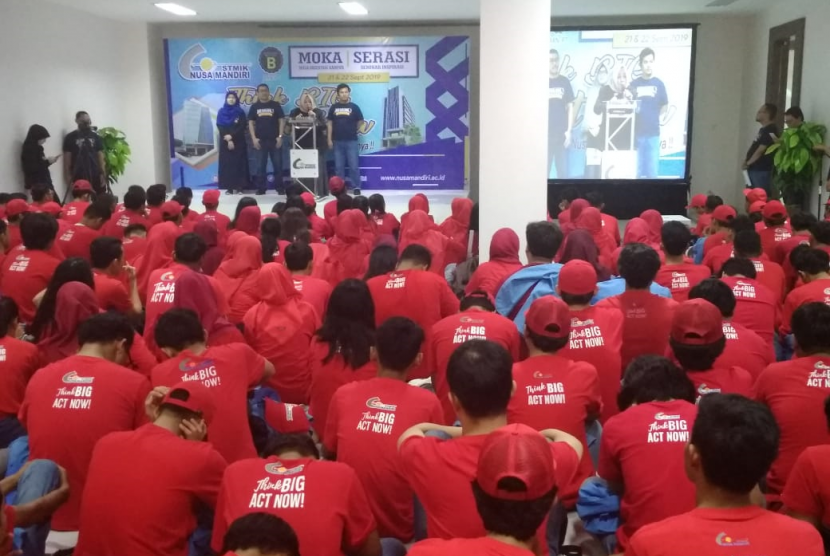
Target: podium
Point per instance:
(619, 159)
(307, 164)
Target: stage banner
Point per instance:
(414, 93)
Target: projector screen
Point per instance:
(620, 103)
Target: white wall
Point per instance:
(56, 61)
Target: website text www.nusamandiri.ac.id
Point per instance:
(422, 177)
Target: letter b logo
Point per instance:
(271, 59)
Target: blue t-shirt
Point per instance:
(561, 94)
(652, 96)
(344, 118)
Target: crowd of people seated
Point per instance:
(179, 382)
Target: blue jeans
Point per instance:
(268, 149)
(347, 152)
(38, 480)
(199, 544)
(648, 156)
(593, 435)
(761, 179)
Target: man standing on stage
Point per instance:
(560, 117)
(84, 155)
(265, 122)
(345, 119)
(652, 101)
(758, 163)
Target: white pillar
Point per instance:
(513, 113)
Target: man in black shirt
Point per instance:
(84, 155)
(266, 121)
(560, 117)
(758, 163)
(345, 118)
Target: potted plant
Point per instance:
(796, 162)
(116, 152)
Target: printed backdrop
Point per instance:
(413, 91)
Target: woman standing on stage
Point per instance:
(307, 108)
(233, 147)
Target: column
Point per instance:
(513, 115)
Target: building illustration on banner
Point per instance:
(399, 127)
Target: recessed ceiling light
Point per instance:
(175, 9)
(354, 8)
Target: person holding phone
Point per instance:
(34, 160)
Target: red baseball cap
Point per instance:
(308, 199)
(698, 201)
(192, 396)
(516, 452)
(757, 206)
(697, 322)
(82, 185)
(16, 206)
(774, 209)
(724, 213)
(578, 277)
(286, 418)
(755, 194)
(336, 185)
(171, 208)
(550, 317)
(52, 208)
(211, 196)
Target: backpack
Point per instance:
(261, 432)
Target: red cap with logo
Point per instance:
(286, 418)
(516, 452)
(757, 206)
(578, 277)
(724, 213)
(774, 209)
(211, 197)
(171, 208)
(16, 206)
(697, 322)
(698, 201)
(308, 199)
(336, 185)
(550, 317)
(52, 208)
(755, 194)
(81, 186)
(192, 396)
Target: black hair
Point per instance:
(747, 244)
(298, 256)
(796, 254)
(38, 230)
(713, 202)
(741, 223)
(756, 217)
(12, 196)
(243, 203)
(638, 264)
(104, 328)
(269, 232)
(190, 248)
(545, 343)
(343, 86)
(594, 198)
(73, 269)
(417, 254)
(382, 260)
(361, 203)
(737, 440)
(543, 239)
(676, 237)
(478, 298)
(156, 194)
(821, 232)
(398, 341)
(349, 323)
(645, 53)
(295, 442)
(184, 202)
(344, 203)
(258, 87)
(801, 221)
(98, 209)
(178, 328)
(8, 314)
(811, 327)
(569, 194)
(571, 299)
(294, 222)
(377, 203)
(795, 112)
(105, 249)
(3, 227)
(184, 191)
(109, 198)
(80, 113)
(771, 110)
(39, 192)
(517, 519)
(262, 531)
(810, 261)
(479, 374)
(737, 266)
(295, 202)
(279, 208)
(652, 378)
(135, 197)
(717, 293)
(474, 220)
(5, 198)
(697, 357)
(134, 228)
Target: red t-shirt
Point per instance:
(121, 220)
(807, 491)
(18, 362)
(222, 222)
(420, 295)
(748, 531)
(75, 241)
(703, 222)
(315, 292)
(154, 216)
(112, 293)
(596, 339)
(387, 224)
(228, 371)
(718, 255)
(322, 501)
(553, 392)
(772, 276)
(681, 278)
(722, 380)
(365, 420)
(484, 546)
(73, 212)
(25, 273)
(643, 448)
(795, 392)
(755, 306)
(712, 241)
(69, 406)
(745, 349)
(784, 248)
(772, 236)
(645, 314)
(448, 334)
(134, 249)
(141, 492)
(611, 226)
(440, 473)
(817, 291)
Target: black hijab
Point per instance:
(36, 133)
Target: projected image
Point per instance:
(619, 104)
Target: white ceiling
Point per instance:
(287, 11)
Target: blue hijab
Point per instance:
(228, 114)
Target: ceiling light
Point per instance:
(354, 8)
(175, 9)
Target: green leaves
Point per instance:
(116, 152)
(796, 165)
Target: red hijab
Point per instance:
(248, 221)
(208, 231)
(421, 230)
(655, 227)
(504, 247)
(457, 226)
(74, 303)
(242, 261)
(581, 246)
(159, 253)
(574, 212)
(636, 231)
(194, 292)
(348, 248)
(277, 316)
(504, 261)
(590, 220)
(419, 201)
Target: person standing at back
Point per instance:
(344, 122)
(561, 117)
(266, 121)
(758, 163)
(652, 102)
(83, 155)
